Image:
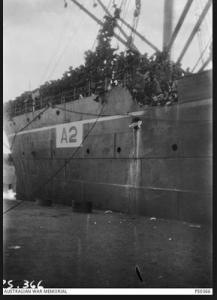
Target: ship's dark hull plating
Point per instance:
(162, 169)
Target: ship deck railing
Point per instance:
(16, 107)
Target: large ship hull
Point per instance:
(162, 168)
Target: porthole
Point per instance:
(174, 147)
(119, 149)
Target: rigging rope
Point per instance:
(199, 37)
(204, 50)
(66, 162)
(135, 19)
(30, 122)
(88, 114)
(54, 56)
(4, 144)
(94, 43)
(73, 154)
(120, 27)
(67, 44)
(11, 208)
(206, 19)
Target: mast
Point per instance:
(168, 22)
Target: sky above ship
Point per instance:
(43, 38)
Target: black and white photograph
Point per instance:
(107, 147)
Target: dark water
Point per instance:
(104, 250)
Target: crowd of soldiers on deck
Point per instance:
(144, 88)
(147, 78)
